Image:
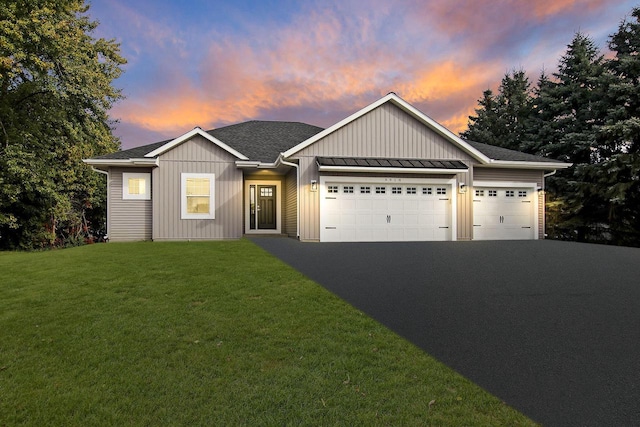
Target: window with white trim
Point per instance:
(365, 189)
(411, 190)
(493, 193)
(479, 193)
(136, 186)
(332, 189)
(396, 190)
(510, 193)
(198, 196)
(347, 189)
(522, 193)
(441, 190)
(427, 190)
(381, 190)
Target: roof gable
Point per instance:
(196, 131)
(408, 108)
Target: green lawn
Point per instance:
(212, 333)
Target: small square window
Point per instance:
(522, 193)
(136, 186)
(427, 190)
(381, 190)
(411, 190)
(479, 193)
(332, 188)
(347, 189)
(365, 189)
(510, 193)
(493, 193)
(441, 190)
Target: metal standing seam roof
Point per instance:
(370, 162)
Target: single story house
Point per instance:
(386, 173)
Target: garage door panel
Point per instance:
(503, 213)
(387, 212)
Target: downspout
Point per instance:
(550, 173)
(106, 237)
(297, 193)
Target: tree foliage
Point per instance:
(587, 114)
(56, 87)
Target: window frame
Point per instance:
(183, 196)
(126, 176)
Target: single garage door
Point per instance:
(384, 211)
(504, 213)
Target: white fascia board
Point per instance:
(404, 105)
(365, 169)
(255, 165)
(196, 131)
(122, 162)
(511, 164)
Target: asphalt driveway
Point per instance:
(551, 328)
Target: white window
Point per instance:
(198, 196)
(479, 193)
(441, 190)
(427, 190)
(396, 190)
(365, 190)
(347, 189)
(381, 190)
(136, 186)
(510, 193)
(411, 190)
(522, 193)
(332, 189)
(493, 193)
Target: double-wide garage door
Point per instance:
(386, 210)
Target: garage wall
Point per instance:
(516, 175)
(386, 131)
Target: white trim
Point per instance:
(183, 196)
(525, 165)
(126, 176)
(396, 100)
(365, 169)
(247, 207)
(196, 131)
(452, 182)
(122, 162)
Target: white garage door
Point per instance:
(504, 213)
(383, 211)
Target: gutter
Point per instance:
(297, 192)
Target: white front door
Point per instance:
(504, 213)
(385, 210)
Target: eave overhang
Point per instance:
(512, 164)
(140, 162)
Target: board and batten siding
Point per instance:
(290, 201)
(197, 155)
(386, 132)
(129, 220)
(517, 175)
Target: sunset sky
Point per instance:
(214, 63)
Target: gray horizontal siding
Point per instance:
(128, 220)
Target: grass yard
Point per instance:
(211, 333)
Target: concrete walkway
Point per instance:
(551, 328)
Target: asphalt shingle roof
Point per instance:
(258, 140)
(264, 140)
(498, 153)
